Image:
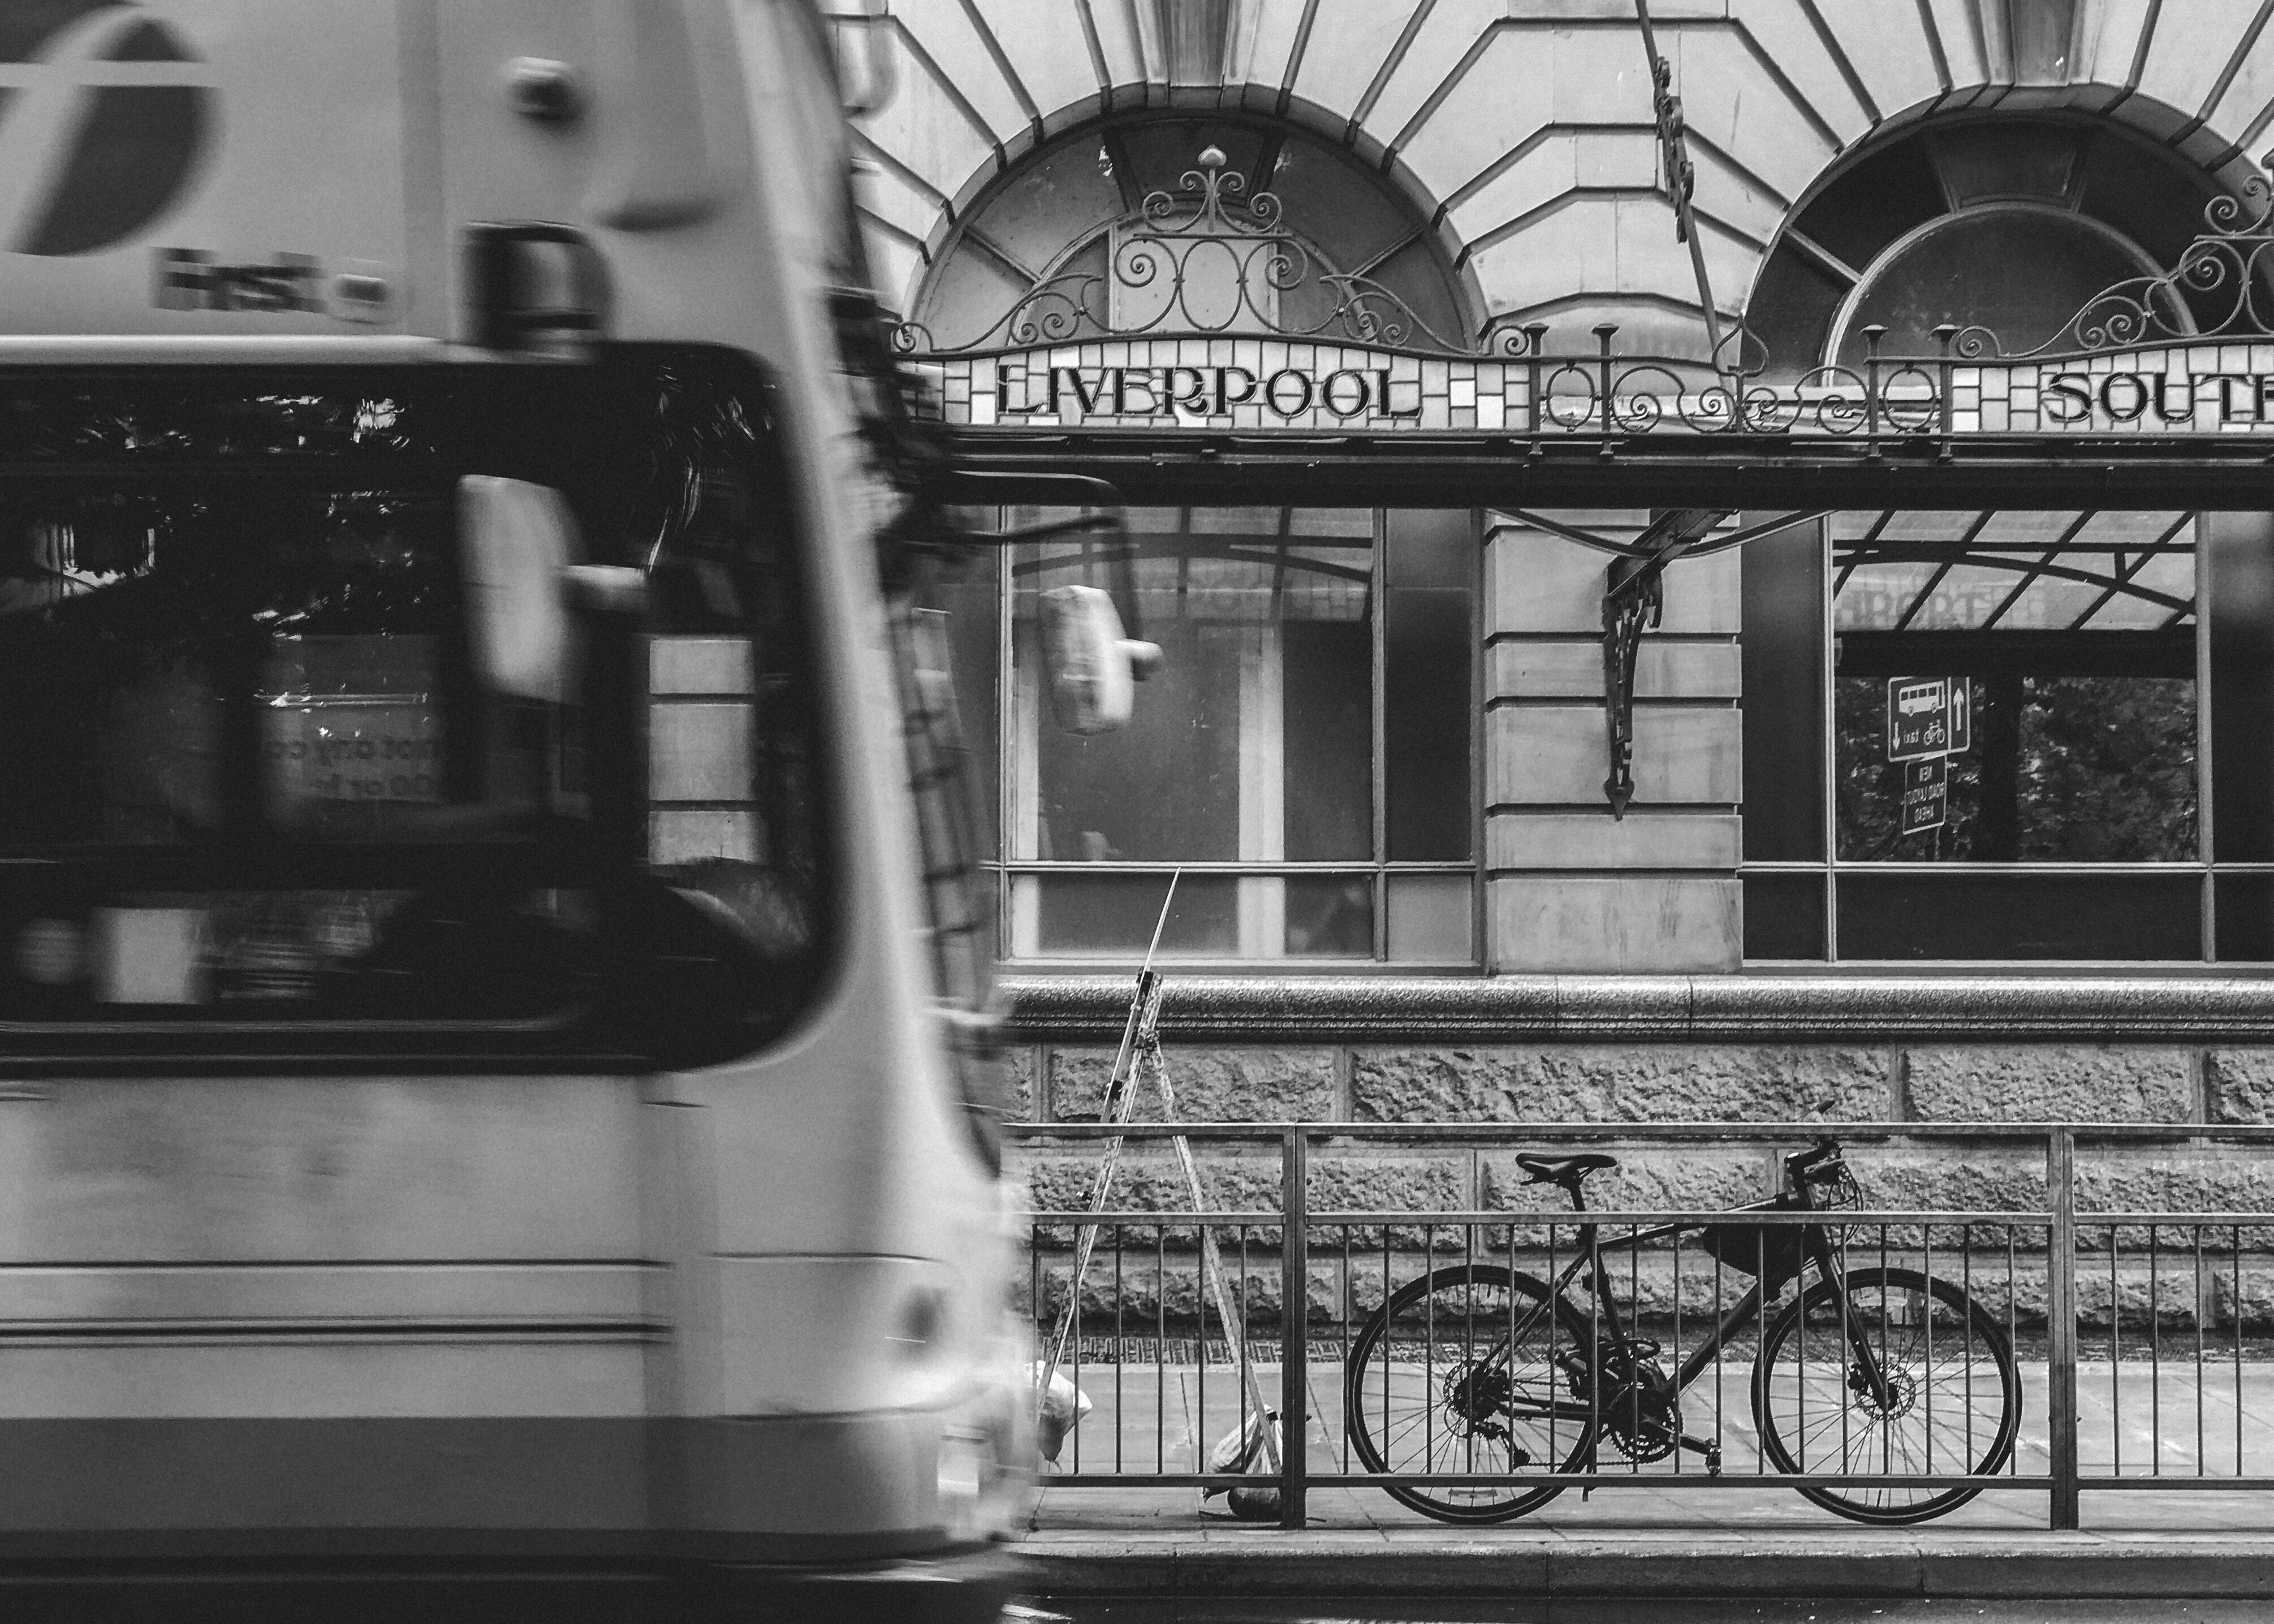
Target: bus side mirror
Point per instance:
(1092, 666)
(517, 551)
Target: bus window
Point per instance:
(247, 772)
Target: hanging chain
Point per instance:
(1680, 176)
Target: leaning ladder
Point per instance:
(1139, 1057)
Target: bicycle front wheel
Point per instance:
(1465, 1371)
(1950, 1401)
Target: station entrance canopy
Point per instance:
(1209, 358)
(1211, 346)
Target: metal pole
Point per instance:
(2060, 1323)
(1294, 1324)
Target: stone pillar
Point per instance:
(1569, 887)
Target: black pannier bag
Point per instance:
(1774, 1251)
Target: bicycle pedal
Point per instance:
(1713, 1460)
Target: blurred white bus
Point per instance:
(483, 1110)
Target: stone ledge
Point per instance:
(1514, 1009)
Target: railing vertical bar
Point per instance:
(1350, 1303)
(1676, 1360)
(1593, 1241)
(2155, 1358)
(2115, 1361)
(1121, 1345)
(1248, 1393)
(1073, 1347)
(1389, 1343)
(1429, 1351)
(1634, 1392)
(1199, 1361)
(1847, 1341)
(2060, 1324)
(1554, 1454)
(2238, 1350)
(1469, 1308)
(1965, 1287)
(1800, 1349)
(1555, 1461)
(2013, 1326)
(1294, 1327)
(1926, 1307)
(1887, 1433)
(1160, 1347)
(1720, 1309)
(2202, 1462)
(1847, 1440)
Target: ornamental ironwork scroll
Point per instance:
(2229, 267)
(1208, 259)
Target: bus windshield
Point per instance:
(246, 770)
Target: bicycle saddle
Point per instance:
(1563, 1169)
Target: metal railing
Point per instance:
(2037, 1347)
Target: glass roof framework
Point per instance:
(2012, 570)
(1256, 565)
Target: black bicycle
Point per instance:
(1878, 1372)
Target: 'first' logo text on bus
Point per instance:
(192, 279)
(196, 279)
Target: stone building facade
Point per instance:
(1386, 320)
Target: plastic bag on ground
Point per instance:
(1242, 1450)
(1058, 1409)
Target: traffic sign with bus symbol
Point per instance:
(1927, 717)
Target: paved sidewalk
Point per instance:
(1120, 1543)
(1651, 1536)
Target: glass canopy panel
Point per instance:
(2051, 604)
(1874, 597)
(1964, 598)
(1955, 525)
(2167, 573)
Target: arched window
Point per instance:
(2008, 222)
(1267, 229)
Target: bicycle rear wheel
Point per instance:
(1952, 1402)
(1459, 1371)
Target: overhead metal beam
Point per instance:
(1735, 472)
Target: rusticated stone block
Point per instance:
(1957, 1180)
(2253, 1295)
(1019, 1095)
(2239, 1085)
(2242, 1185)
(1606, 1083)
(2049, 1083)
(1155, 1292)
(1211, 1085)
(2178, 1305)
(1149, 1179)
(1146, 1179)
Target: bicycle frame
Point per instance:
(1603, 1314)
